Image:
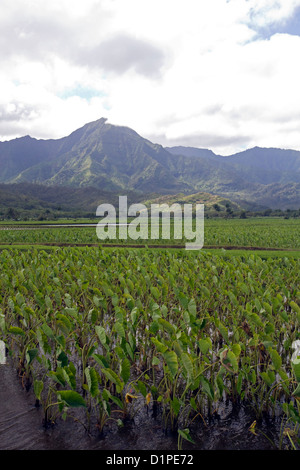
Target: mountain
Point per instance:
(29, 200)
(261, 165)
(101, 155)
(117, 159)
(264, 176)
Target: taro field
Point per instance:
(251, 233)
(106, 334)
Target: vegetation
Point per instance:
(99, 334)
(117, 159)
(176, 332)
(280, 233)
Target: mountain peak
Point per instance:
(116, 158)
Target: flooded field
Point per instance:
(21, 428)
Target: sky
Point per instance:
(216, 74)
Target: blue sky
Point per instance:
(289, 25)
(85, 93)
(218, 74)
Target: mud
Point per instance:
(21, 428)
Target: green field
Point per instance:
(256, 233)
(105, 331)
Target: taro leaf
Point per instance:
(186, 317)
(100, 331)
(167, 327)
(233, 360)
(120, 352)
(38, 386)
(296, 308)
(57, 297)
(58, 376)
(115, 300)
(20, 299)
(276, 359)
(31, 354)
(48, 302)
(155, 292)
(284, 316)
(296, 368)
(117, 401)
(65, 376)
(155, 361)
(101, 360)
(175, 404)
(2, 321)
(193, 404)
(204, 345)
(119, 329)
(192, 308)
(15, 330)
(141, 387)
(177, 348)
(205, 291)
(42, 339)
(296, 392)
(268, 308)
(63, 323)
(132, 340)
(125, 370)
(207, 388)
(92, 316)
(183, 300)
(258, 305)
(256, 320)
(106, 395)
(72, 311)
(269, 328)
(164, 310)
(70, 375)
(159, 346)
(272, 375)
(171, 360)
(236, 348)
(289, 409)
(232, 298)
(188, 365)
(97, 301)
(129, 351)
(220, 384)
(252, 376)
(92, 381)
(239, 383)
(154, 327)
(48, 332)
(285, 380)
(134, 315)
(223, 330)
(71, 398)
(266, 378)
(113, 377)
(185, 433)
(130, 303)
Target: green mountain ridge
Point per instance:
(117, 159)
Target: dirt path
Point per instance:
(116, 245)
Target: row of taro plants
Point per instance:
(114, 332)
(234, 232)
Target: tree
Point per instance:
(11, 213)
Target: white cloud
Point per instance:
(185, 72)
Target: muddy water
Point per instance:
(21, 428)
